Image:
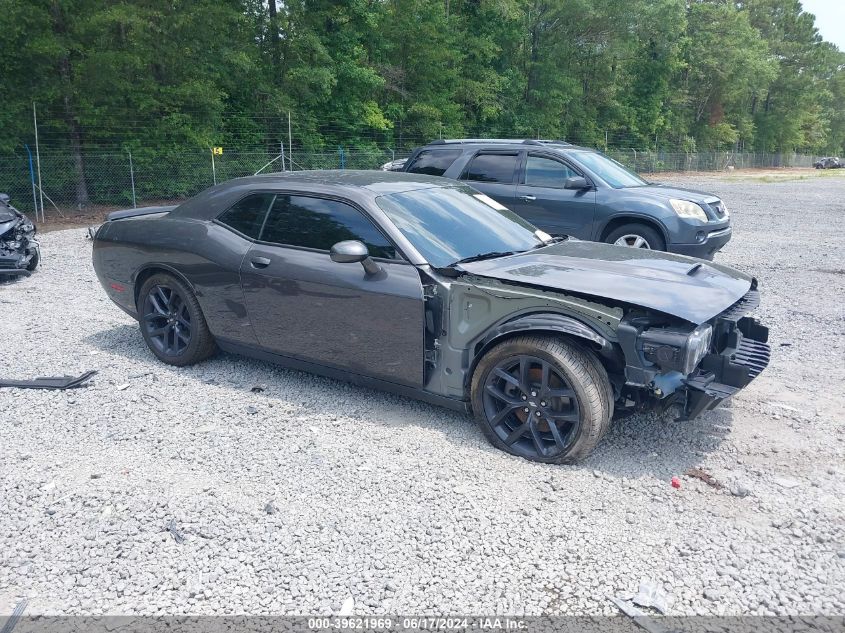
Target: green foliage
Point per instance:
(155, 75)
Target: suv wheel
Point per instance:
(172, 323)
(636, 235)
(541, 398)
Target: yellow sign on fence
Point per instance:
(217, 151)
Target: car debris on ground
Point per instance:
(640, 617)
(651, 595)
(13, 619)
(175, 532)
(703, 475)
(61, 382)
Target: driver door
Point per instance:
(304, 305)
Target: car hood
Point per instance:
(665, 192)
(688, 288)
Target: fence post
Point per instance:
(32, 180)
(342, 157)
(290, 146)
(213, 168)
(132, 180)
(38, 163)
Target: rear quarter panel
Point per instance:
(203, 254)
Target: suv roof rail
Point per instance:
(511, 141)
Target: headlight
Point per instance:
(688, 210)
(677, 350)
(697, 346)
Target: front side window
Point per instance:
(247, 215)
(433, 162)
(547, 172)
(320, 223)
(492, 168)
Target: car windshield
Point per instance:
(613, 173)
(450, 224)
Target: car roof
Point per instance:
(503, 142)
(361, 186)
(377, 181)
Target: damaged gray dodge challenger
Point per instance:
(427, 288)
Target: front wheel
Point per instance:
(172, 323)
(636, 235)
(541, 398)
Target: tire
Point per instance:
(575, 399)
(651, 237)
(172, 322)
(600, 375)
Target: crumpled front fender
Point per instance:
(541, 322)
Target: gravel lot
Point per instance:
(162, 490)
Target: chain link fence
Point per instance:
(110, 180)
(651, 161)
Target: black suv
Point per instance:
(569, 190)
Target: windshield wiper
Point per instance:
(481, 256)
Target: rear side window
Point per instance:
(247, 215)
(491, 168)
(433, 162)
(546, 172)
(320, 223)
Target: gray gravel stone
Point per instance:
(739, 490)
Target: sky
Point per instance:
(830, 19)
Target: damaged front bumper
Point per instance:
(694, 368)
(744, 355)
(19, 263)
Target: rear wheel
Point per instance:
(541, 398)
(172, 323)
(636, 235)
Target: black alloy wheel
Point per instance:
(531, 407)
(172, 322)
(167, 320)
(542, 397)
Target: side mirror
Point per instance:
(351, 251)
(4, 198)
(576, 182)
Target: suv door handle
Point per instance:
(260, 262)
(528, 198)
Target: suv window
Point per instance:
(320, 223)
(547, 172)
(247, 215)
(491, 168)
(433, 162)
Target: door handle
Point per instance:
(528, 198)
(260, 262)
